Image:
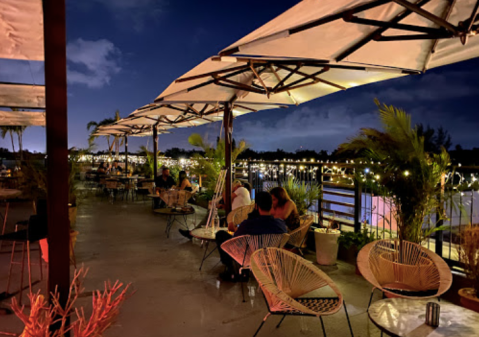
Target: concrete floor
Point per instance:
(126, 241)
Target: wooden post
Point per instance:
(57, 147)
(126, 154)
(357, 206)
(155, 152)
(228, 125)
(439, 214)
(320, 201)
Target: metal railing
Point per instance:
(352, 206)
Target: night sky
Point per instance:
(124, 53)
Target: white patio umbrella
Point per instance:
(319, 47)
(22, 118)
(410, 35)
(178, 115)
(125, 131)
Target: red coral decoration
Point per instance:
(105, 309)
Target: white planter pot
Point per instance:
(326, 246)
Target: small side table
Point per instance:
(400, 317)
(206, 235)
(172, 217)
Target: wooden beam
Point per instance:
(259, 78)
(283, 81)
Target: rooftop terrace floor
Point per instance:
(127, 241)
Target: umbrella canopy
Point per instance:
(22, 118)
(271, 81)
(179, 115)
(124, 130)
(409, 35)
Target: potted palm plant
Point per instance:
(212, 161)
(469, 256)
(396, 165)
(357, 240)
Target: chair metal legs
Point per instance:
(277, 326)
(322, 325)
(242, 288)
(371, 298)
(261, 325)
(347, 316)
(25, 247)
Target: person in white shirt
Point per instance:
(240, 197)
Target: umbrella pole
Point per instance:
(126, 154)
(155, 152)
(57, 150)
(228, 126)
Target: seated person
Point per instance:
(183, 182)
(265, 223)
(165, 181)
(239, 197)
(116, 168)
(102, 168)
(284, 208)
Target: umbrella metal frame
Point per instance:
(445, 29)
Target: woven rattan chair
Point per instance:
(242, 247)
(298, 236)
(238, 215)
(404, 269)
(285, 278)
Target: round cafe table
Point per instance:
(173, 214)
(206, 235)
(400, 317)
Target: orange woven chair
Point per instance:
(298, 236)
(285, 278)
(242, 247)
(404, 269)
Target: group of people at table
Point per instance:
(107, 168)
(274, 213)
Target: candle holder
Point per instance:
(433, 311)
